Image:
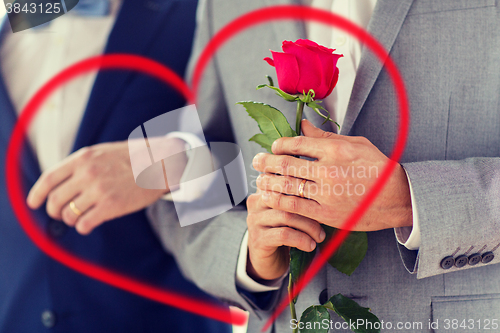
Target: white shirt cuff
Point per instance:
(246, 282)
(410, 236)
(190, 191)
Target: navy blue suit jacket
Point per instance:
(30, 282)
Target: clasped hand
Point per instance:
(100, 183)
(343, 171)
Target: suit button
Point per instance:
(323, 296)
(474, 259)
(56, 229)
(461, 261)
(48, 318)
(487, 257)
(447, 262)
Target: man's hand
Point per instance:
(344, 170)
(270, 234)
(100, 182)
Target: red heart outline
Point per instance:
(155, 69)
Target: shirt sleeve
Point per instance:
(410, 236)
(190, 191)
(246, 282)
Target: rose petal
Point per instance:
(310, 68)
(287, 71)
(335, 78)
(269, 61)
(313, 45)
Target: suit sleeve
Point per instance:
(207, 252)
(458, 206)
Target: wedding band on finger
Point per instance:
(75, 209)
(301, 187)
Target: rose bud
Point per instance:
(305, 65)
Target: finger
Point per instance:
(61, 196)
(277, 218)
(291, 204)
(283, 165)
(285, 236)
(82, 203)
(312, 131)
(287, 185)
(309, 130)
(298, 145)
(46, 183)
(92, 218)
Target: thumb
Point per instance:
(313, 132)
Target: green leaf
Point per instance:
(361, 320)
(279, 92)
(299, 263)
(272, 122)
(262, 140)
(350, 254)
(312, 319)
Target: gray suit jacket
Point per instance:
(448, 52)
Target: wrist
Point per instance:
(263, 276)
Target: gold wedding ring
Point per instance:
(301, 187)
(75, 210)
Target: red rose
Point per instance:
(305, 65)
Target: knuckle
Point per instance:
(101, 190)
(362, 140)
(85, 153)
(287, 185)
(53, 200)
(266, 182)
(292, 204)
(285, 216)
(326, 135)
(284, 235)
(284, 163)
(297, 143)
(277, 200)
(48, 178)
(91, 171)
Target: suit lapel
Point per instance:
(133, 32)
(385, 24)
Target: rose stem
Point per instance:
(292, 304)
(300, 110)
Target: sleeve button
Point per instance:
(461, 261)
(487, 257)
(447, 262)
(474, 259)
(48, 318)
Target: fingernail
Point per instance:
(322, 235)
(313, 245)
(265, 196)
(259, 180)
